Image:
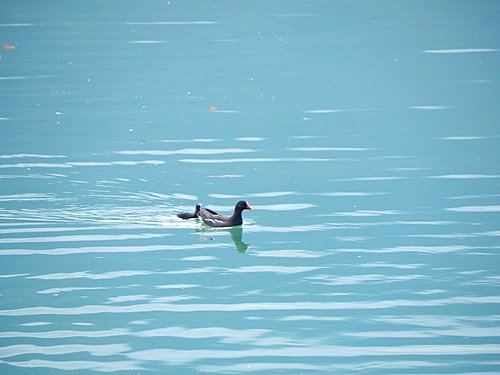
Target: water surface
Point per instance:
(365, 135)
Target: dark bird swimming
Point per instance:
(216, 220)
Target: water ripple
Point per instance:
(16, 24)
(270, 194)
(155, 23)
(367, 213)
(104, 366)
(83, 237)
(82, 164)
(316, 149)
(416, 249)
(274, 269)
(284, 206)
(29, 197)
(465, 176)
(185, 356)
(361, 279)
(108, 249)
(296, 254)
(187, 151)
(250, 306)
(43, 156)
(492, 208)
(97, 350)
(460, 50)
(253, 160)
(91, 276)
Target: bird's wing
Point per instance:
(212, 218)
(211, 211)
(206, 212)
(215, 221)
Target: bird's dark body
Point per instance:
(220, 221)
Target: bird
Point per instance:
(212, 219)
(189, 215)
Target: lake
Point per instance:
(365, 135)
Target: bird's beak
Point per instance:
(249, 207)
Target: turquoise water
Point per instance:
(364, 134)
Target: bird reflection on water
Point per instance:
(236, 234)
(237, 237)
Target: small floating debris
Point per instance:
(9, 47)
(213, 108)
(205, 238)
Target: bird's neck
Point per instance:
(237, 212)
